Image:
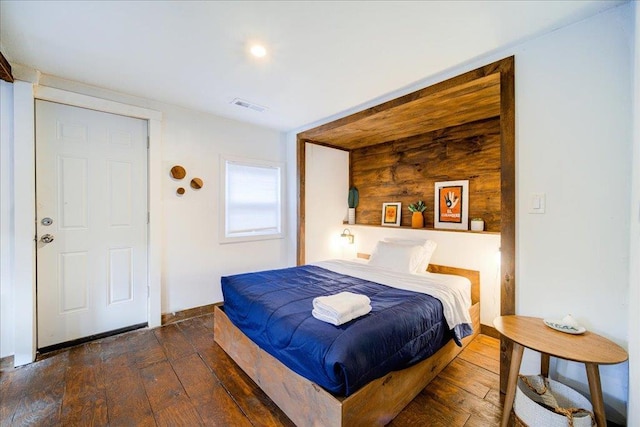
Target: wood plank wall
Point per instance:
(405, 171)
(5, 69)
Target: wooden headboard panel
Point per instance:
(472, 275)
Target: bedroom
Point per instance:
(554, 251)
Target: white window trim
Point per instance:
(222, 237)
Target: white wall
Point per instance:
(573, 142)
(634, 271)
(6, 219)
(573, 127)
(23, 206)
(327, 184)
(193, 259)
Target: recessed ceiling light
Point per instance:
(258, 50)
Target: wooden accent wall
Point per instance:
(331, 134)
(5, 69)
(405, 171)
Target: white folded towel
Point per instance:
(339, 320)
(341, 307)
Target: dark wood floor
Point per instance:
(177, 376)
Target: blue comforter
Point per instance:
(273, 308)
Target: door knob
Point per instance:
(47, 238)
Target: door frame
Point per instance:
(25, 94)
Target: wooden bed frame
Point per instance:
(308, 404)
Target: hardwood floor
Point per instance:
(177, 376)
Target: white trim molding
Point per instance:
(24, 296)
(25, 95)
(79, 100)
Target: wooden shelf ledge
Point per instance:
(406, 227)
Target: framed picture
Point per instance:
(451, 205)
(391, 213)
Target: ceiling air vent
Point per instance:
(247, 104)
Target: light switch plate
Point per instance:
(537, 203)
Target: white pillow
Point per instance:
(403, 258)
(428, 245)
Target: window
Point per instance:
(252, 200)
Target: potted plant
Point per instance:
(352, 200)
(417, 218)
(477, 224)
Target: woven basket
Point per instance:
(533, 414)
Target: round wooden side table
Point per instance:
(588, 348)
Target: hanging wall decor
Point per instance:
(391, 214)
(196, 183)
(178, 172)
(451, 205)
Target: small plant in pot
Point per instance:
(353, 200)
(417, 218)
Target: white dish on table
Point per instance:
(558, 325)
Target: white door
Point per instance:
(91, 222)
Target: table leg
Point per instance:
(544, 365)
(595, 388)
(514, 370)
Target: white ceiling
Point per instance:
(324, 57)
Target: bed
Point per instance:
(316, 400)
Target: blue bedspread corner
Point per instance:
(461, 331)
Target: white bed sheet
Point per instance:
(454, 292)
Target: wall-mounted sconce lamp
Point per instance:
(347, 237)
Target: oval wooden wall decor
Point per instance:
(178, 172)
(180, 191)
(196, 183)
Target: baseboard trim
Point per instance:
(178, 316)
(490, 331)
(66, 344)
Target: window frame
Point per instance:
(223, 236)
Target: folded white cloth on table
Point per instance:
(341, 307)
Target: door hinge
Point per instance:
(148, 217)
(148, 142)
